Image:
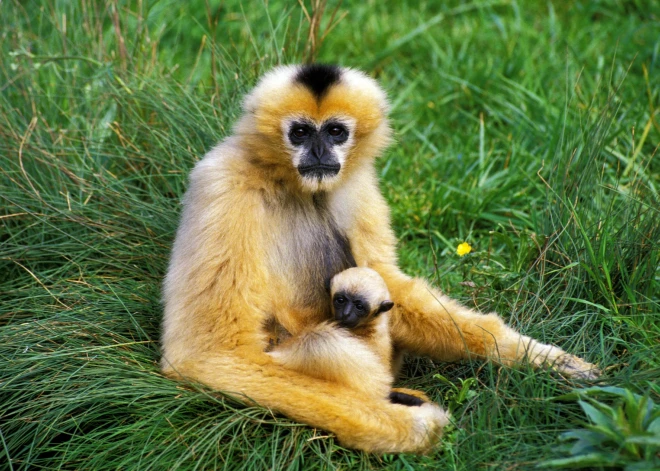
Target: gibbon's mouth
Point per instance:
(348, 323)
(319, 170)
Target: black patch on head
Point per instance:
(405, 399)
(318, 78)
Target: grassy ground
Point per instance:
(528, 129)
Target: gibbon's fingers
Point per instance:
(412, 392)
(365, 423)
(426, 322)
(543, 355)
(405, 399)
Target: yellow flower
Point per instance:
(463, 249)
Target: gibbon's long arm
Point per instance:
(426, 322)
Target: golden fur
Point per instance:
(256, 243)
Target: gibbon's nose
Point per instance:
(347, 312)
(318, 150)
(348, 317)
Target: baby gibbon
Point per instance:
(354, 348)
(271, 214)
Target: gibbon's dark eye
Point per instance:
(359, 306)
(340, 300)
(299, 132)
(336, 131)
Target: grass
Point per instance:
(624, 436)
(528, 129)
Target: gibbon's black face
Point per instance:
(318, 156)
(352, 310)
(314, 123)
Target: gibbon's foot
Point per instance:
(540, 354)
(576, 367)
(430, 420)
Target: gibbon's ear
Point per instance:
(385, 306)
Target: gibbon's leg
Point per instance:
(366, 423)
(426, 322)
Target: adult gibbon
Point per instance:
(274, 212)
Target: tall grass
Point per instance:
(529, 130)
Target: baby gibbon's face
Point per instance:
(350, 309)
(359, 294)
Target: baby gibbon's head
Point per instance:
(358, 296)
(315, 123)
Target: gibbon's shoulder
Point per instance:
(225, 162)
(218, 174)
(218, 160)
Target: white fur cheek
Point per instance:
(295, 152)
(296, 155)
(341, 152)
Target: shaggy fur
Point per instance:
(257, 244)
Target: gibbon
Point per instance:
(360, 301)
(271, 214)
(354, 348)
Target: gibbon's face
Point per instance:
(358, 295)
(318, 121)
(353, 309)
(350, 310)
(318, 149)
